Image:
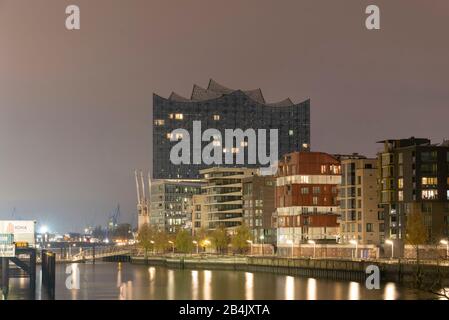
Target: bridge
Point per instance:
(103, 252)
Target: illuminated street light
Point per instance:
(391, 243)
(446, 243)
(354, 242)
(196, 243)
(314, 246)
(251, 244)
(173, 245)
(262, 238)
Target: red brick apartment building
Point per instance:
(306, 198)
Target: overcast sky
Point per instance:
(75, 106)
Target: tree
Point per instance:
(241, 237)
(220, 239)
(416, 236)
(183, 241)
(201, 235)
(161, 240)
(145, 238)
(416, 232)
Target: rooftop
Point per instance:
(215, 90)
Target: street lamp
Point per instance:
(152, 242)
(354, 242)
(173, 245)
(314, 246)
(251, 244)
(446, 243)
(291, 243)
(391, 243)
(262, 238)
(196, 243)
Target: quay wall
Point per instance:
(335, 269)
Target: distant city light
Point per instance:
(43, 229)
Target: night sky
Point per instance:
(75, 106)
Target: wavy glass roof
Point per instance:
(215, 90)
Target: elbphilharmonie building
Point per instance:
(221, 108)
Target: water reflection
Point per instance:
(311, 289)
(390, 291)
(207, 285)
(195, 285)
(354, 291)
(171, 285)
(126, 281)
(249, 286)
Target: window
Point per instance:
(429, 156)
(429, 168)
(335, 169)
(401, 183)
(179, 116)
(305, 190)
(216, 117)
(400, 195)
(429, 194)
(159, 122)
(429, 181)
(381, 227)
(369, 227)
(447, 194)
(323, 169)
(290, 132)
(315, 201)
(316, 190)
(400, 158)
(359, 179)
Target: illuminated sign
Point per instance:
(23, 231)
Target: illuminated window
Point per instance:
(401, 183)
(244, 143)
(447, 193)
(169, 135)
(290, 132)
(179, 116)
(426, 181)
(305, 146)
(235, 150)
(430, 194)
(400, 195)
(323, 169)
(335, 169)
(159, 122)
(171, 115)
(216, 117)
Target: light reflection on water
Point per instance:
(125, 281)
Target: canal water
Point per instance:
(125, 281)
